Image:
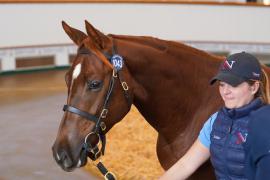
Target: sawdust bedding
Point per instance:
(131, 150)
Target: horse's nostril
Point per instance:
(55, 154)
(63, 155)
(57, 157)
(65, 160)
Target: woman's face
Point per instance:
(236, 97)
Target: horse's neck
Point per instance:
(171, 82)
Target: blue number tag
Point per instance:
(117, 62)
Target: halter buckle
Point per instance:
(125, 86)
(114, 73)
(94, 150)
(107, 177)
(102, 126)
(104, 113)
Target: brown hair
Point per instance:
(263, 91)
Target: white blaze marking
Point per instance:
(75, 74)
(77, 71)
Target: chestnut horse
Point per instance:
(167, 81)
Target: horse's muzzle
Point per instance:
(65, 161)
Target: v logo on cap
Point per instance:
(228, 65)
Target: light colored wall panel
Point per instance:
(37, 24)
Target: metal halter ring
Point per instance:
(86, 137)
(92, 150)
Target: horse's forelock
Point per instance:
(87, 43)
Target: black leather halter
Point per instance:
(99, 130)
(100, 126)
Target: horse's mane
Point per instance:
(171, 47)
(178, 53)
(144, 40)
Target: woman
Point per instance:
(237, 137)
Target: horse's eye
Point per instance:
(94, 84)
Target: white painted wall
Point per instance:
(37, 24)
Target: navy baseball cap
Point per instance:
(238, 68)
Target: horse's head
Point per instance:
(98, 97)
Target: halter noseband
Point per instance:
(100, 126)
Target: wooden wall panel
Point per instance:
(34, 62)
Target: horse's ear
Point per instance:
(75, 35)
(97, 37)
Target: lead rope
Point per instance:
(106, 174)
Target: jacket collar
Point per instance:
(243, 111)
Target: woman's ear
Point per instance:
(255, 87)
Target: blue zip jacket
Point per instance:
(257, 147)
(229, 130)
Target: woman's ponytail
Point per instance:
(264, 88)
